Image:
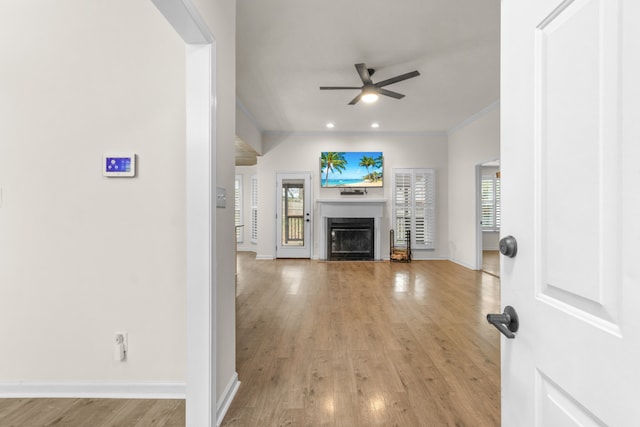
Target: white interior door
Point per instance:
(293, 215)
(570, 161)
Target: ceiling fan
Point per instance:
(369, 89)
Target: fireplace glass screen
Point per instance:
(350, 238)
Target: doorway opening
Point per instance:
(488, 217)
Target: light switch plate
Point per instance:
(221, 197)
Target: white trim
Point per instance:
(201, 253)
(416, 255)
(185, 19)
(227, 397)
(264, 257)
(477, 116)
(463, 264)
(478, 237)
(351, 133)
(93, 389)
(201, 228)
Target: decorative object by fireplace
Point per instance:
(350, 239)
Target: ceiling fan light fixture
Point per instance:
(370, 98)
(369, 94)
(370, 91)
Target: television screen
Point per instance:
(351, 169)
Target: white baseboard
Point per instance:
(227, 397)
(264, 257)
(90, 389)
(420, 257)
(464, 264)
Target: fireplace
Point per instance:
(349, 208)
(350, 238)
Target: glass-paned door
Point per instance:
(293, 216)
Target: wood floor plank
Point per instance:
(365, 344)
(37, 412)
(92, 412)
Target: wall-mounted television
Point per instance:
(351, 169)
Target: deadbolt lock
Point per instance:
(508, 246)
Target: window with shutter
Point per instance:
(414, 207)
(254, 209)
(238, 207)
(490, 203)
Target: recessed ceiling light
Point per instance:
(330, 125)
(375, 125)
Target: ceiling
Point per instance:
(286, 49)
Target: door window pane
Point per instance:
(293, 214)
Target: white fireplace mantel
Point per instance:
(350, 208)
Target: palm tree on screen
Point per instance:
(378, 161)
(367, 162)
(332, 161)
(377, 175)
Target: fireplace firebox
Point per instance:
(350, 239)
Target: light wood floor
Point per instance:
(91, 413)
(491, 262)
(336, 344)
(365, 344)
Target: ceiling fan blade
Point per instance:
(390, 93)
(364, 73)
(339, 87)
(398, 78)
(355, 100)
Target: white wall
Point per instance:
(490, 240)
(83, 256)
(289, 152)
(247, 130)
(247, 172)
(476, 142)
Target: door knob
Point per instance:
(508, 246)
(507, 322)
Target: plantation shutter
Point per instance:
(402, 208)
(497, 203)
(486, 203)
(254, 209)
(424, 208)
(490, 203)
(414, 207)
(238, 207)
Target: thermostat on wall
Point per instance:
(123, 165)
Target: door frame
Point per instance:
(479, 235)
(200, 387)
